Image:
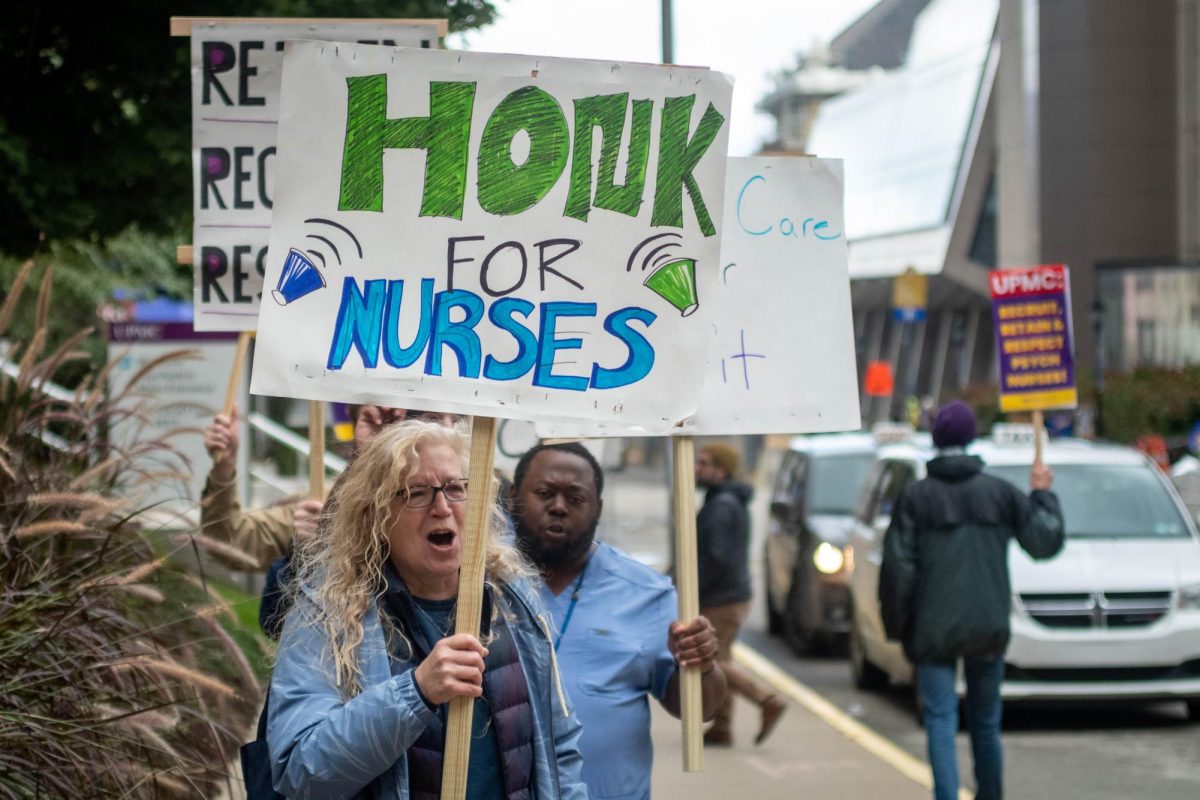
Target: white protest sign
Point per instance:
(781, 346)
(782, 355)
(508, 236)
(236, 70)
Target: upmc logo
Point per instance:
(1039, 280)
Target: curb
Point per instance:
(903, 762)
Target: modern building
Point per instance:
(1016, 133)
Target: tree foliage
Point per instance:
(87, 273)
(95, 119)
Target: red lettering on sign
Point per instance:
(1038, 280)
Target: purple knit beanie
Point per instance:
(954, 426)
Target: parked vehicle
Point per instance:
(1115, 615)
(813, 499)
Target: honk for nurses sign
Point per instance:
(1031, 315)
(491, 234)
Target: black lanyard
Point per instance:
(571, 608)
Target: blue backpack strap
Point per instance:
(256, 761)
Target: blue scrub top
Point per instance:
(612, 655)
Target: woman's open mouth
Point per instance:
(441, 539)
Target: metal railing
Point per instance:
(259, 422)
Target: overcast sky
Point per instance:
(749, 39)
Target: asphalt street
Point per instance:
(1098, 751)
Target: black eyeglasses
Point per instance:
(422, 496)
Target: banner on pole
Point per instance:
(1031, 315)
(236, 70)
(503, 235)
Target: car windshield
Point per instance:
(836, 481)
(1108, 500)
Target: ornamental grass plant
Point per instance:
(122, 673)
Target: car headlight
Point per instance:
(828, 558)
(1189, 597)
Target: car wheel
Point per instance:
(774, 618)
(801, 637)
(1193, 709)
(866, 675)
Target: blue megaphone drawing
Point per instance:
(298, 278)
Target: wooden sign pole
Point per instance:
(470, 599)
(235, 374)
(1039, 424)
(235, 379)
(316, 449)
(687, 584)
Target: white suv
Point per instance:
(1115, 615)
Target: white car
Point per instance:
(1115, 615)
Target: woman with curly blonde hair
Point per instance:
(368, 660)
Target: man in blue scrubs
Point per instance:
(617, 639)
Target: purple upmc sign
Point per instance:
(129, 332)
(1031, 315)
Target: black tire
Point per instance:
(774, 618)
(1193, 709)
(866, 675)
(803, 639)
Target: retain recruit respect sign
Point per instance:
(236, 75)
(1031, 316)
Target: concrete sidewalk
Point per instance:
(812, 754)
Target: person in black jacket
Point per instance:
(944, 590)
(722, 553)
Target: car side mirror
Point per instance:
(781, 509)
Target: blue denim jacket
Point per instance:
(324, 747)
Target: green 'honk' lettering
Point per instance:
(506, 187)
(444, 136)
(607, 112)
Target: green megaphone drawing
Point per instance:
(675, 282)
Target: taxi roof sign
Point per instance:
(891, 432)
(1014, 434)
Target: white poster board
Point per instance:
(781, 359)
(236, 71)
(510, 236)
(781, 347)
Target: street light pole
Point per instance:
(1098, 334)
(668, 34)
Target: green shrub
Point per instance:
(120, 675)
(1151, 400)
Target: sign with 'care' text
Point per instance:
(492, 234)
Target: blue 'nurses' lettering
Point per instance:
(641, 354)
(368, 320)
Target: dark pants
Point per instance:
(936, 684)
(728, 620)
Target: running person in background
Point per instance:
(723, 567)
